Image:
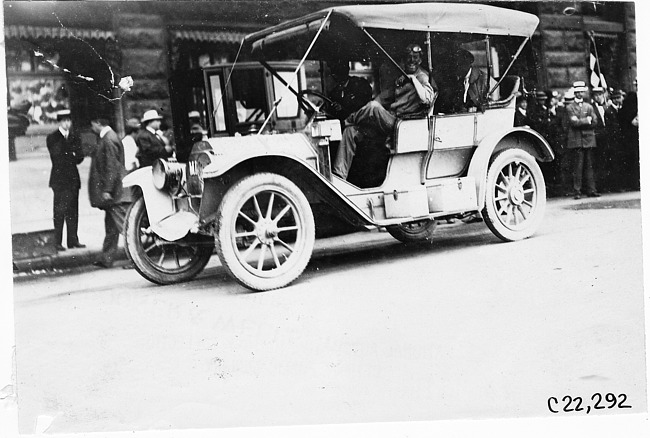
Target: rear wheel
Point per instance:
(515, 198)
(266, 231)
(158, 260)
(413, 231)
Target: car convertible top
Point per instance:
(464, 18)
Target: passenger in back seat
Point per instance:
(471, 84)
(413, 94)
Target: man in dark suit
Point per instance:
(522, 117)
(471, 85)
(150, 140)
(66, 154)
(629, 122)
(607, 136)
(105, 187)
(350, 92)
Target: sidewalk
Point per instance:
(31, 207)
(31, 210)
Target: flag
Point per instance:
(597, 78)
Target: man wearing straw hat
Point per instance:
(66, 153)
(581, 141)
(151, 144)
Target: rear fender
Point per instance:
(517, 138)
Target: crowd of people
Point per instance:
(112, 159)
(596, 142)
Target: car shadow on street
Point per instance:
(348, 257)
(391, 251)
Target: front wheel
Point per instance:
(515, 197)
(158, 260)
(414, 231)
(266, 231)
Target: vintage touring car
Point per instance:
(262, 184)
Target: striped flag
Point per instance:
(597, 78)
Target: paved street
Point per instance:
(467, 327)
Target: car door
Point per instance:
(454, 140)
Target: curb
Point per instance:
(78, 259)
(62, 261)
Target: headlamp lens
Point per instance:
(167, 175)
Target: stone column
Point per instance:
(630, 42)
(563, 48)
(143, 43)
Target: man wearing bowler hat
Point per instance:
(581, 141)
(66, 153)
(151, 144)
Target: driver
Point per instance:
(413, 94)
(350, 92)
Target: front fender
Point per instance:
(228, 152)
(516, 138)
(163, 218)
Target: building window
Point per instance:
(34, 86)
(21, 59)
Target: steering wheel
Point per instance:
(308, 105)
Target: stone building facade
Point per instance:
(153, 41)
(563, 44)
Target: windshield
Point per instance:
(240, 97)
(288, 107)
(249, 96)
